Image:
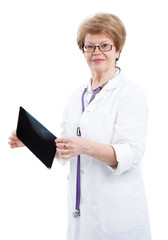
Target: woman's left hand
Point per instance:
(70, 146)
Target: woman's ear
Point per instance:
(118, 55)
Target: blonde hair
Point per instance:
(103, 23)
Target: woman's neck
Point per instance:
(100, 78)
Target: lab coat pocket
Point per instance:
(121, 209)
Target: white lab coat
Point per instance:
(113, 203)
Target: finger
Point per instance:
(11, 142)
(67, 152)
(12, 138)
(63, 151)
(67, 156)
(62, 140)
(12, 145)
(14, 133)
(61, 145)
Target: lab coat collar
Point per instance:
(113, 83)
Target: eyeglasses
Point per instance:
(103, 48)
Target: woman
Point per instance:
(106, 197)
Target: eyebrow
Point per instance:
(99, 43)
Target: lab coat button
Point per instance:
(82, 201)
(81, 171)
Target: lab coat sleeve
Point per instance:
(130, 130)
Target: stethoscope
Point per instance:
(76, 213)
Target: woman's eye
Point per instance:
(90, 46)
(105, 45)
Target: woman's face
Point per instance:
(100, 61)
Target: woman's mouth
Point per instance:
(97, 60)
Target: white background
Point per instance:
(40, 65)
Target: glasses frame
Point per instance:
(94, 48)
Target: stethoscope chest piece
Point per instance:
(76, 214)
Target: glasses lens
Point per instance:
(88, 48)
(105, 47)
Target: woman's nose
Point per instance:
(97, 50)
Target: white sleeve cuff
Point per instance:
(125, 157)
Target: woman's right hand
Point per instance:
(14, 141)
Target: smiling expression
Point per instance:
(100, 61)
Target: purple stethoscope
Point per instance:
(76, 213)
